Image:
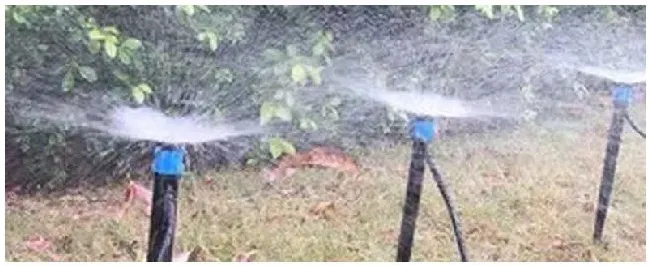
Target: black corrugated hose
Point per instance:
(634, 127)
(453, 216)
(163, 220)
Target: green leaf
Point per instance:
(213, 44)
(111, 29)
(267, 112)
(188, 9)
(288, 147)
(275, 147)
(520, 13)
(132, 44)
(314, 74)
(111, 49)
(435, 13)
(68, 80)
(252, 161)
(204, 8)
(283, 113)
(124, 57)
(202, 36)
(110, 39)
(213, 40)
(318, 49)
(19, 18)
(121, 76)
(145, 88)
(278, 146)
(94, 47)
(137, 94)
(96, 35)
(308, 124)
(88, 73)
(298, 74)
(486, 10)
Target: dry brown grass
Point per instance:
(522, 196)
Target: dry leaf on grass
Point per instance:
(208, 180)
(136, 193)
(321, 207)
(38, 244)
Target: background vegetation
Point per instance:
(251, 63)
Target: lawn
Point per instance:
(525, 195)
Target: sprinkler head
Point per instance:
(622, 95)
(423, 129)
(168, 160)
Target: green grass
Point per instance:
(527, 195)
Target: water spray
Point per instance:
(422, 132)
(622, 96)
(167, 167)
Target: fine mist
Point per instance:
(343, 76)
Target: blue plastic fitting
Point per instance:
(168, 160)
(622, 95)
(423, 129)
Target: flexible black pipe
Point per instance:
(163, 220)
(412, 202)
(453, 216)
(609, 171)
(634, 127)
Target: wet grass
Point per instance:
(528, 195)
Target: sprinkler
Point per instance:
(168, 166)
(422, 132)
(622, 96)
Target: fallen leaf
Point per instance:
(322, 207)
(208, 180)
(136, 193)
(38, 244)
